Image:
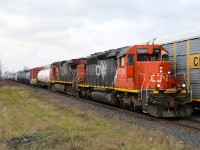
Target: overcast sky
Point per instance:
(38, 32)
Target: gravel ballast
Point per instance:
(186, 137)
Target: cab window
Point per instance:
(148, 57)
(130, 59)
(165, 57)
(121, 61)
(154, 57)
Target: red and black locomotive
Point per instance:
(136, 77)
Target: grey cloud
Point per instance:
(51, 29)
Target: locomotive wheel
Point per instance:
(122, 104)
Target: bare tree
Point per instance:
(25, 68)
(7, 74)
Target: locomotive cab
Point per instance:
(153, 63)
(146, 70)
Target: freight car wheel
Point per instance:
(82, 93)
(134, 107)
(88, 94)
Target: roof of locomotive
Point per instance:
(107, 54)
(123, 51)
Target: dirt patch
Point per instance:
(15, 143)
(7, 83)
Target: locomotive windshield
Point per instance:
(165, 57)
(157, 55)
(144, 56)
(148, 57)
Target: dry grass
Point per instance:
(28, 121)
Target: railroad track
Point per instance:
(194, 118)
(191, 124)
(186, 124)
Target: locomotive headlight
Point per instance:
(158, 85)
(169, 72)
(183, 85)
(161, 69)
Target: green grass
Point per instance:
(29, 121)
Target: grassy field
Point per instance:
(29, 121)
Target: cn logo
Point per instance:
(101, 69)
(196, 61)
(158, 78)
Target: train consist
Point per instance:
(138, 78)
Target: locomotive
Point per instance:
(135, 77)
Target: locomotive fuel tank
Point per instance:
(103, 96)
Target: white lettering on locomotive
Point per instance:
(101, 69)
(158, 78)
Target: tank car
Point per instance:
(43, 77)
(19, 76)
(16, 75)
(27, 77)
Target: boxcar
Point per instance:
(33, 75)
(184, 51)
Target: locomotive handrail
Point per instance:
(142, 83)
(189, 86)
(146, 90)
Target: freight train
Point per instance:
(135, 77)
